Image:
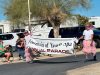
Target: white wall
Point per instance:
(6, 26)
(43, 32)
(96, 20)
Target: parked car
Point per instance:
(71, 32)
(10, 38)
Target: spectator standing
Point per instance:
(21, 48)
(17, 48)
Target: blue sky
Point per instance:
(94, 11)
(2, 16)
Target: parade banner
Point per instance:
(52, 45)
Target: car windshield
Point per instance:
(19, 30)
(21, 35)
(6, 37)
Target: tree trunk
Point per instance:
(56, 31)
(55, 27)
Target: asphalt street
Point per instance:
(53, 66)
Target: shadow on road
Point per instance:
(68, 59)
(53, 62)
(69, 62)
(58, 66)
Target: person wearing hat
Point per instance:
(88, 43)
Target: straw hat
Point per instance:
(89, 24)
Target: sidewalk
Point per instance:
(15, 60)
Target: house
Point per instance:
(42, 31)
(95, 20)
(5, 26)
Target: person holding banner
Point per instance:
(88, 43)
(27, 49)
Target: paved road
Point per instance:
(55, 66)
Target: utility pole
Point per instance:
(29, 15)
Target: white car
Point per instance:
(9, 38)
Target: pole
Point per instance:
(29, 13)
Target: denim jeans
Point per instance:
(21, 52)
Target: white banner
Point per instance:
(53, 45)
